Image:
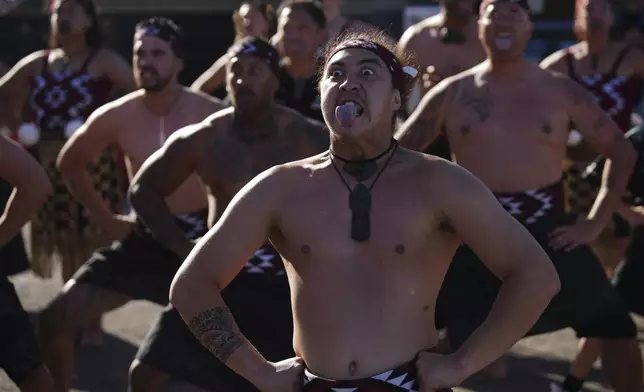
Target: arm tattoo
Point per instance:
(214, 329)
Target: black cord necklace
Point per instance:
(360, 196)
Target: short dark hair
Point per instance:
(93, 36)
(381, 38)
(312, 7)
(167, 30)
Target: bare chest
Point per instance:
(230, 164)
(315, 225)
(518, 117)
(143, 133)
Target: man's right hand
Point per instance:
(118, 226)
(285, 376)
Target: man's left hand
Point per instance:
(438, 373)
(583, 232)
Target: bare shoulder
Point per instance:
(573, 92)
(440, 178)
(420, 33)
(123, 105)
(202, 102)
(32, 61)
(313, 132)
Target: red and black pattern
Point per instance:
(532, 206)
(400, 75)
(63, 225)
(58, 98)
(617, 94)
(401, 379)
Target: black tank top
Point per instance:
(57, 98)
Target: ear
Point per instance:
(397, 101)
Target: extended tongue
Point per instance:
(346, 114)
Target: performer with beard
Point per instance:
(444, 45)
(62, 86)
(136, 266)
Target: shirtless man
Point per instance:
(507, 122)
(443, 45)
(226, 151)
(367, 231)
(20, 356)
(137, 266)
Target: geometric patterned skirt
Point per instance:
(63, 227)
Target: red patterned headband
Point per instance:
(400, 75)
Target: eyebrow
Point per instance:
(361, 62)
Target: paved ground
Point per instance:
(534, 362)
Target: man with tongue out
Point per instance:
(507, 121)
(367, 231)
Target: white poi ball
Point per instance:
(28, 134)
(574, 138)
(72, 127)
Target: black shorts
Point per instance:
(19, 352)
(260, 302)
(139, 266)
(629, 275)
(586, 302)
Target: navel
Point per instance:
(465, 129)
(353, 368)
(400, 249)
(305, 249)
(425, 308)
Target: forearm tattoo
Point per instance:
(214, 329)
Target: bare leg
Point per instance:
(622, 363)
(589, 352)
(144, 378)
(62, 319)
(38, 381)
(92, 332)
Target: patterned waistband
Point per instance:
(400, 379)
(535, 205)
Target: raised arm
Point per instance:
(214, 262)
(427, 121)
(31, 185)
(214, 76)
(161, 174)
(511, 253)
(86, 144)
(605, 137)
(555, 62)
(14, 86)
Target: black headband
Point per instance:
(163, 32)
(260, 48)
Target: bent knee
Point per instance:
(68, 311)
(145, 377)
